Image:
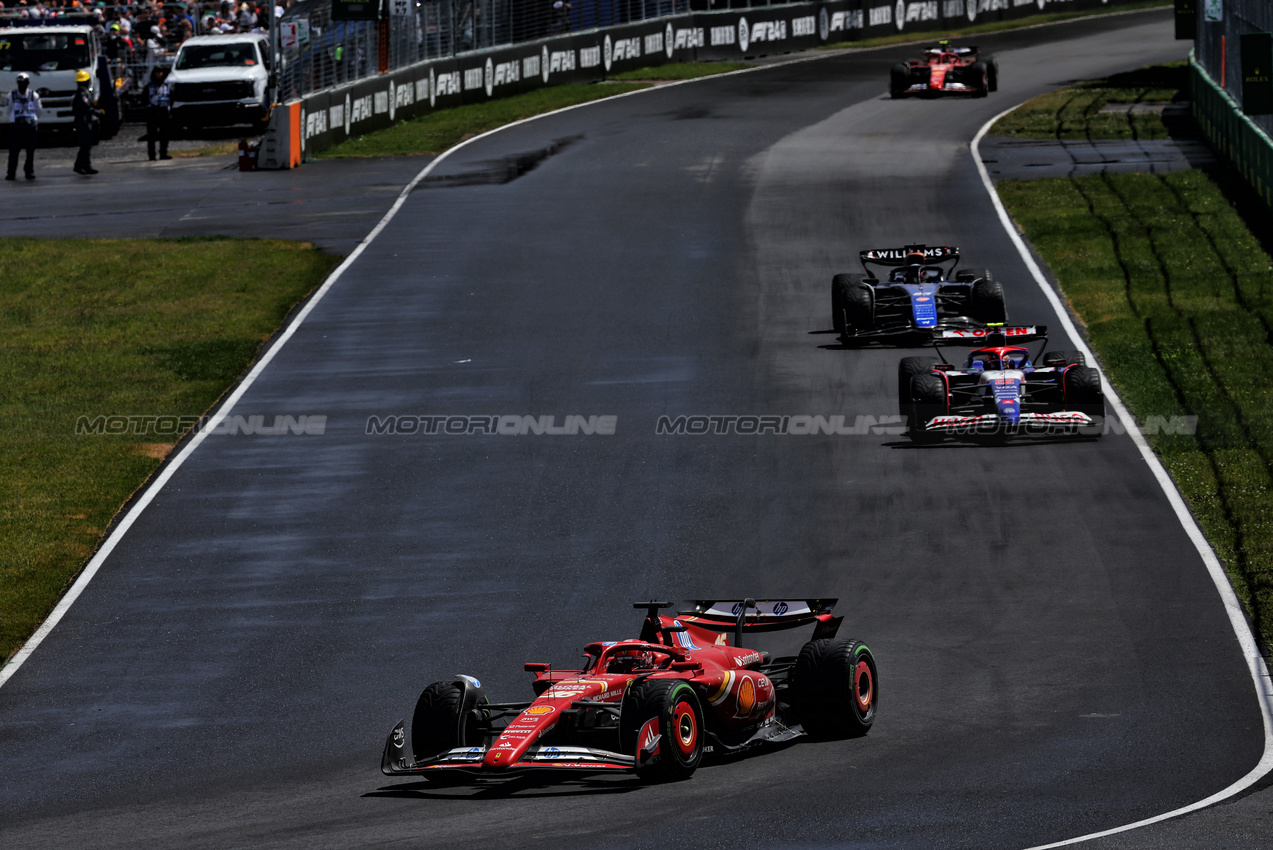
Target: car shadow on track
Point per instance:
(990, 442)
(522, 788)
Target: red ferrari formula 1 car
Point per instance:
(945, 70)
(653, 705)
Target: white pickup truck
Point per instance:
(221, 80)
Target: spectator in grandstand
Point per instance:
(154, 47)
(560, 16)
(114, 45)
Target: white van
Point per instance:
(51, 56)
(219, 80)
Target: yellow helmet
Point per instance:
(82, 76)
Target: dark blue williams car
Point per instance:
(918, 292)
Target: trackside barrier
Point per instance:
(301, 128)
(1215, 91)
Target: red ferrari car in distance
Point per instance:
(654, 705)
(945, 69)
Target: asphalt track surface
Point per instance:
(1054, 659)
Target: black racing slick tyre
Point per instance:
(680, 722)
(979, 79)
(992, 76)
(1083, 392)
(899, 80)
(907, 369)
(855, 301)
(835, 688)
(437, 725)
(987, 302)
(970, 275)
(1064, 358)
(929, 399)
(837, 304)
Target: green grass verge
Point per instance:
(122, 328)
(994, 26)
(1173, 288)
(682, 71)
(437, 131)
(1075, 112)
(1172, 285)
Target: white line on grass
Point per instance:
(1237, 618)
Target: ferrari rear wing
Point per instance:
(763, 615)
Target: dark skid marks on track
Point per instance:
(503, 170)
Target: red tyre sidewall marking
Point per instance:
(863, 670)
(683, 711)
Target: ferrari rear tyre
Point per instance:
(929, 400)
(835, 688)
(1083, 393)
(987, 302)
(907, 369)
(437, 725)
(680, 723)
(899, 80)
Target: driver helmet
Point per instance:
(1015, 360)
(627, 660)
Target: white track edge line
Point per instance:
(155, 485)
(1237, 617)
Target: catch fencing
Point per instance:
(1246, 141)
(326, 102)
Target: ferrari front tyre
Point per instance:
(1083, 393)
(676, 707)
(987, 302)
(437, 724)
(992, 66)
(979, 79)
(899, 80)
(907, 369)
(835, 688)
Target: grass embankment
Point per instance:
(1174, 288)
(437, 131)
(114, 328)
